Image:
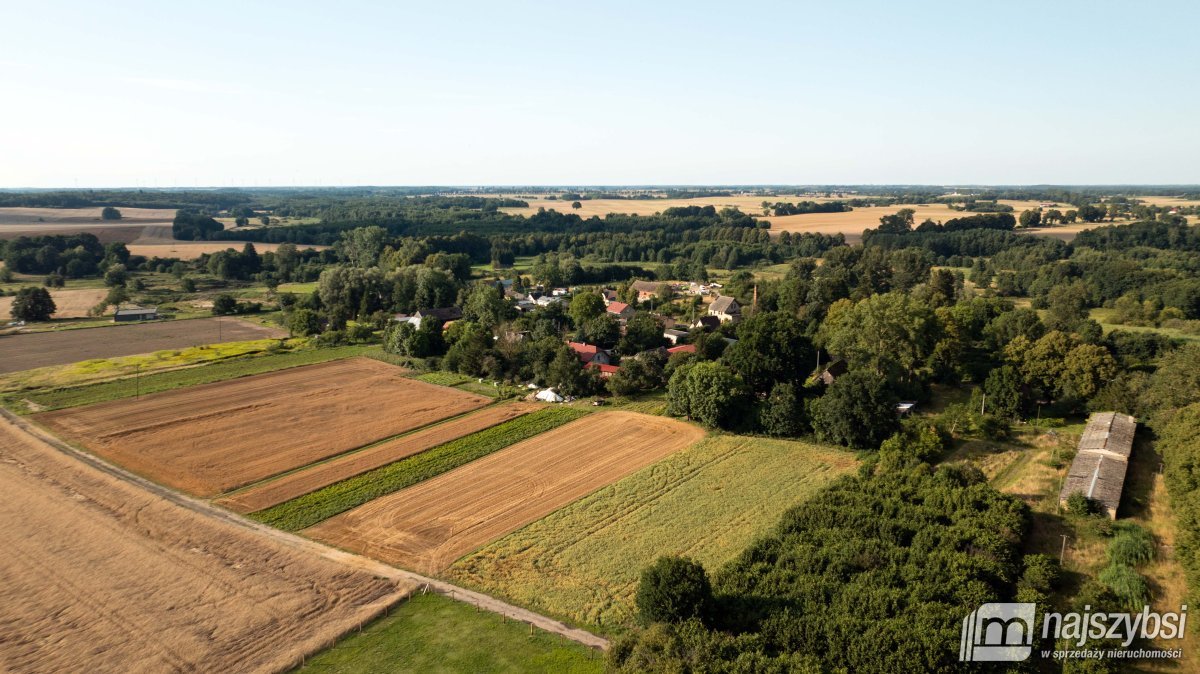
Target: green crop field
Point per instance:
(444, 378)
(49, 390)
(431, 633)
(322, 504)
(708, 502)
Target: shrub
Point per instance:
(673, 590)
(1128, 586)
(1131, 546)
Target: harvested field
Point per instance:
(190, 250)
(102, 575)
(428, 526)
(27, 351)
(302, 482)
(16, 222)
(69, 303)
(708, 502)
(211, 438)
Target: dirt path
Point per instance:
(347, 559)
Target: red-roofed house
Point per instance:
(590, 353)
(620, 310)
(682, 348)
(606, 370)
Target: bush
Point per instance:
(1131, 546)
(1079, 504)
(673, 590)
(1041, 573)
(1127, 584)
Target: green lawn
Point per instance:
(1103, 316)
(582, 562)
(431, 633)
(258, 362)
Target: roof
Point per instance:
(683, 348)
(1098, 470)
(441, 313)
(617, 307)
(136, 311)
(837, 368)
(586, 352)
(645, 286)
(709, 322)
(675, 333)
(604, 367)
(724, 304)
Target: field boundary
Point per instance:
(202, 507)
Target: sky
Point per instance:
(162, 94)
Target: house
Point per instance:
(620, 310)
(560, 292)
(609, 296)
(547, 300)
(725, 309)
(834, 370)
(590, 353)
(675, 336)
(1098, 471)
(682, 348)
(706, 323)
(605, 369)
(135, 313)
(646, 290)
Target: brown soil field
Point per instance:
(103, 575)
(27, 351)
(321, 475)
(212, 438)
(430, 525)
(69, 303)
(16, 222)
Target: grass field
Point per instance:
(582, 562)
(337, 498)
(1104, 316)
(429, 634)
(60, 387)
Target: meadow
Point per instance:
(429, 634)
(708, 502)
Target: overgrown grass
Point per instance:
(444, 378)
(235, 361)
(431, 634)
(324, 503)
(709, 502)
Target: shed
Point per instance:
(1098, 471)
(548, 395)
(133, 313)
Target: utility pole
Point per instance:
(983, 404)
(1063, 553)
(137, 381)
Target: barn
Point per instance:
(1098, 471)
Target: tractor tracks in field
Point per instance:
(420, 582)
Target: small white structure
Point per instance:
(549, 396)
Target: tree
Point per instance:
(567, 375)
(264, 219)
(1030, 218)
(110, 213)
(772, 347)
(485, 306)
(642, 333)
(892, 334)
(576, 205)
(1005, 391)
(673, 590)
(33, 304)
(361, 246)
(304, 322)
(1086, 368)
(898, 223)
(224, 305)
(859, 411)
(707, 392)
(643, 372)
(585, 307)
(782, 413)
(115, 275)
(188, 285)
(603, 331)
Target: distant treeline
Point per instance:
(803, 207)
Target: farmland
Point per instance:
(337, 498)
(210, 438)
(708, 502)
(103, 575)
(433, 634)
(428, 526)
(28, 351)
(73, 303)
(298, 483)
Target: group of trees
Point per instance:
(73, 256)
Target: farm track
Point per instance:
(431, 524)
(311, 478)
(347, 560)
(212, 438)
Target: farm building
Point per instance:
(605, 369)
(835, 369)
(725, 309)
(590, 353)
(646, 290)
(1098, 470)
(706, 323)
(683, 348)
(133, 313)
(675, 336)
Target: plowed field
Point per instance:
(211, 438)
(428, 526)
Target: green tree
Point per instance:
(116, 275)
(566, 374)
(361, 246)
(585, 306)
(673, 590)
(304, 322)
(898, 223)
(1030, 218)
(1005, 391)
(782, 413)
(485, 306)
(892, 334)
(642, 333)
(110, 213)
(707, 392)
(639, 373)
(771, 347)
(603, 331)
(224, 305)
(32, 304)
(859, 411)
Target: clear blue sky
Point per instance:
(466, 93)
